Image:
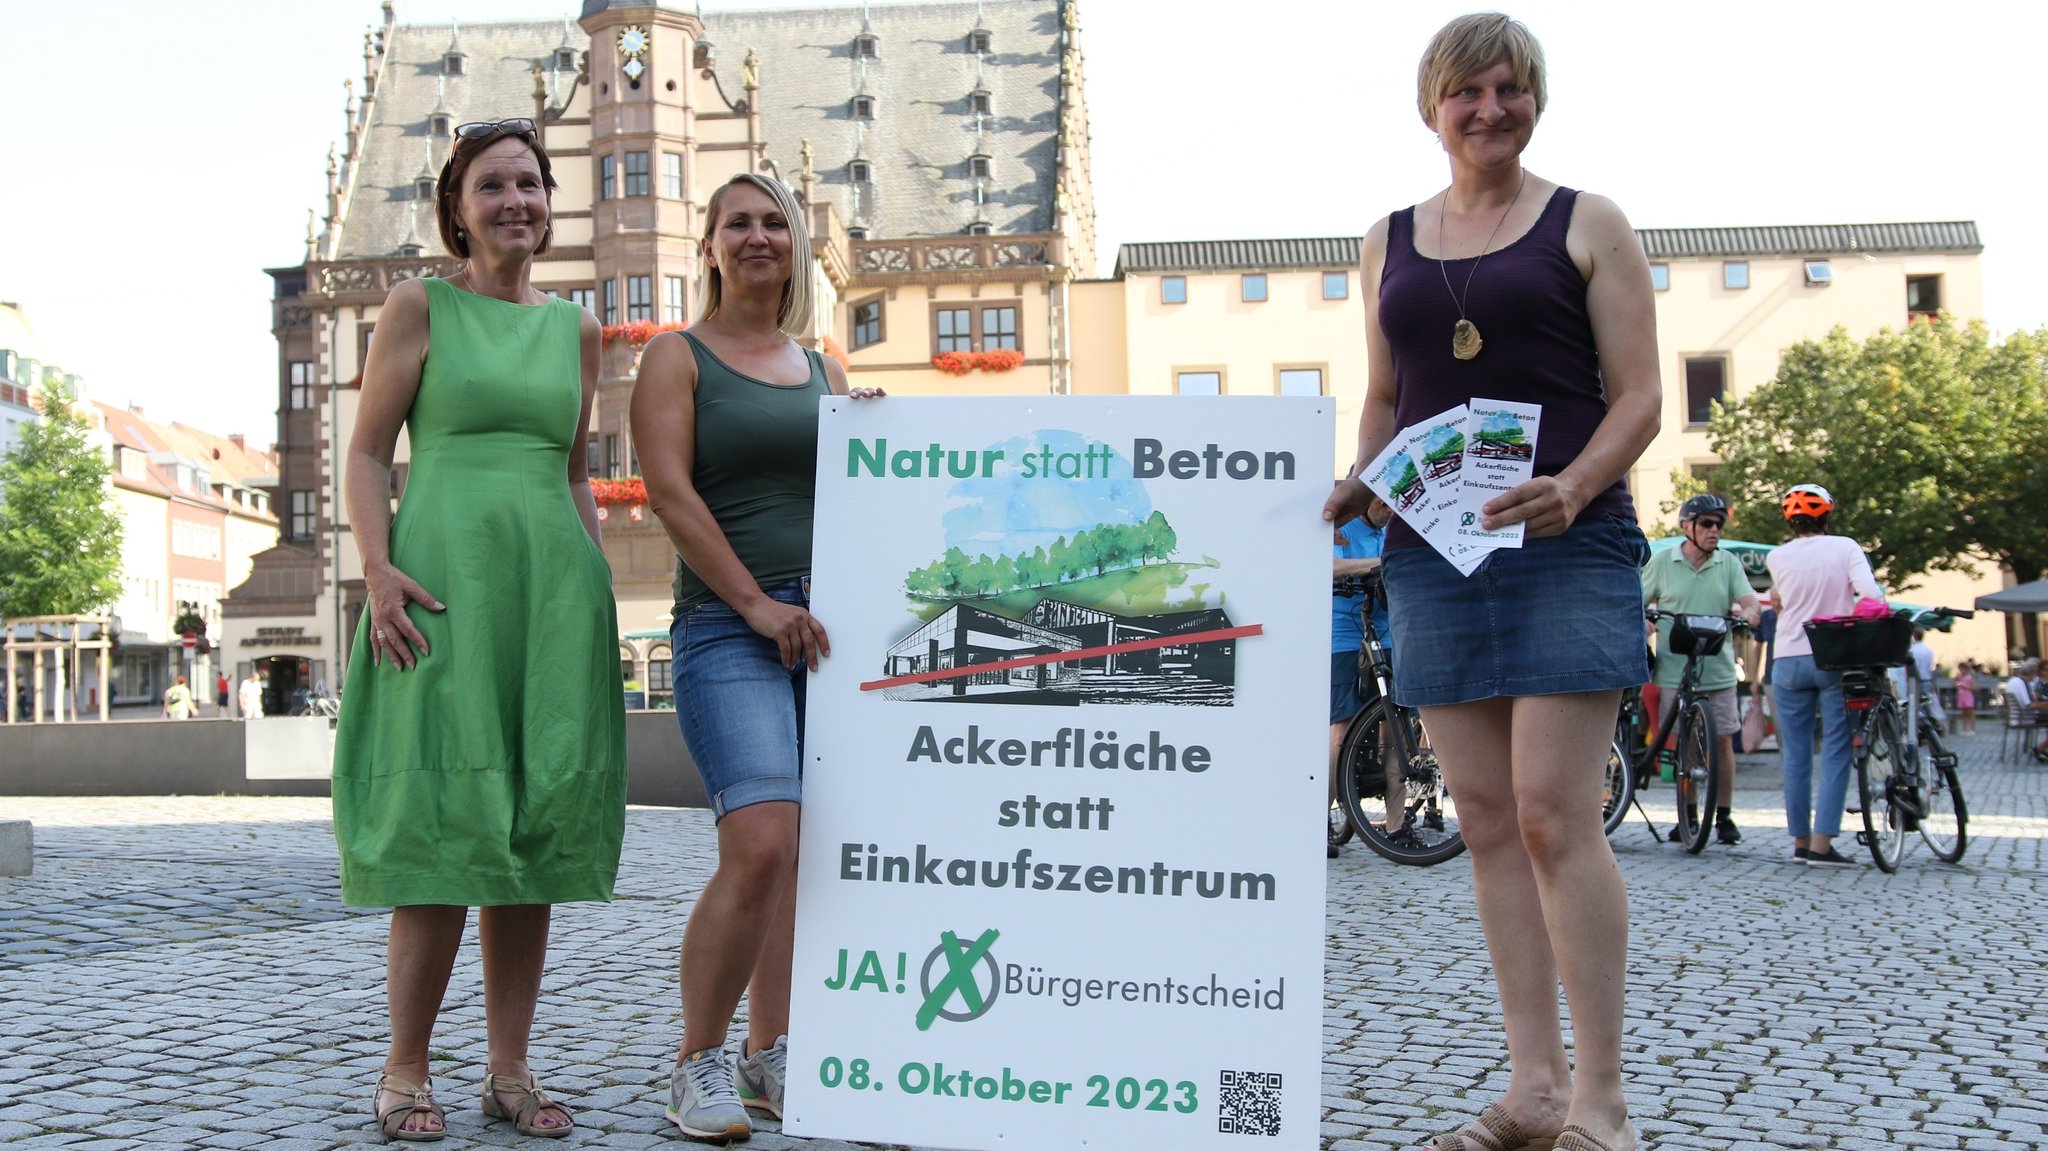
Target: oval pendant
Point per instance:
(1465, 341)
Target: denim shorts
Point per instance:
(1557, 615)
(742, 712)
(1347, 698)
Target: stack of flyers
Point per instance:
(1439, 473)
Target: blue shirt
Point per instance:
(1361, 542)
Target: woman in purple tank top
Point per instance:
(1506, 286)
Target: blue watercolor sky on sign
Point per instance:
(1441, 435)
(1007, 514)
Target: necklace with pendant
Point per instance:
(1465, 341)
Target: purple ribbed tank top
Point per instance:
(1529, 303)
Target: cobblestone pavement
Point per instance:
(180, 972)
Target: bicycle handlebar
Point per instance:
(1735, 622)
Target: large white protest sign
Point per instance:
(1062, 869)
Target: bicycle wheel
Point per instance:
(1340, 829)
(1944, 818)
(1428, 832)
(1697, 779)
(1882, 759)
(1620, 790)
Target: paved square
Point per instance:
(180, 972)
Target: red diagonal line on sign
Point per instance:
(1065, 656)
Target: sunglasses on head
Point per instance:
(485, 129)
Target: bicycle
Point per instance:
(1692, 759)
(1894, 794)
(1383, 767)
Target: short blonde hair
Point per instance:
(1470, 45)
(794, 315)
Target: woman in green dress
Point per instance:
(480, 759)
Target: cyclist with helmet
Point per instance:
(1814, 575)
(1698, 578)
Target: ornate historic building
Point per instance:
(940, 148)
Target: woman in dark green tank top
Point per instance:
(725, 418)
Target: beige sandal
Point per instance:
(1577, 1138)
(419, 1099)
(1494, 1130)
(531, 1102)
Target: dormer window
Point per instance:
(863, 107)
(423, 188)
(856, 233)
(859, 172)
(978, 228)
(411, 251)
(451, 64)
(440, 124)
(864, 46)
(978, 102)
(977, 166)
(565, 59)
(977, 40)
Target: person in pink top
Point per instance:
(1813, 576)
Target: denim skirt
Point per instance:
(1557, 615)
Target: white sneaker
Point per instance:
(702, 1101)
(761, 1075)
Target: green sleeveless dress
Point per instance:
(494, 772)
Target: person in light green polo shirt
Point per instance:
(1698, 578)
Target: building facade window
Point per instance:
(978, 102)
(1252, 288)
(593, 461)
(1706, 380)
(301, 377)
(860, 172)
(1818, 273)
(660, 683)
(977, 166)
(867, 323)
(607, 177)
(610, 315)
(672, 300)
(1735, 274)
(1301, 381)
(864, 46)
(1173, 289)
(636, 174)
(953, 330)
(195, 541)
(585, 298)
(613, 465)
(978, 40)
(999, 328)
(1923, 295)
(863, 107)
(1336, 285)
(639, 298)
(672, 175)
(440, 124)
(1660, 277)
(303, 516)
(1198, 383)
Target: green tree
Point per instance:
(60, 541)
(1932, 440)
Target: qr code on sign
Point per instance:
(1248, 1103)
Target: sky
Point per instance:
(134, 233)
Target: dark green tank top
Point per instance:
(756, 469)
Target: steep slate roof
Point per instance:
(223, 461)
(918, 143)
(1959, 237)
(1811, 240)
(923, 131)
(497, 81)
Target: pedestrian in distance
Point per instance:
(726, 420)
(1966, 696)
(1813, 575)
(1519, 668)
(178, 701)
(1698, 578)
(250, 696)
(220, 694)
(481, 759)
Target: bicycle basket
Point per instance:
(1847, 643)
(1701, 635)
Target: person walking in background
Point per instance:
(220, 694)
(481, 758)
(178, 701)
(1812, 576)
(1519, 668)
(1966, 697)
(725, 417)
(1698, 578)
(251, 696)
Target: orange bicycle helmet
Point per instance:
(1810, 500)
